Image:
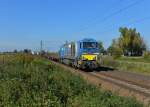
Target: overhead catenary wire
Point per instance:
(47, 45)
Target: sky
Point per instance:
(24, 23)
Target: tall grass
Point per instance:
(5, 58)
(29, 81)
(130, 64)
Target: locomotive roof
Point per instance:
(88, 40)
(83, 40)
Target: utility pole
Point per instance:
(41, 45)
(3, 59)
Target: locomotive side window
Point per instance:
(96, 45)
(80, 45)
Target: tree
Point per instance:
(115, 49)
(131, 42)
(101, 47)
(27, 51)
(15, 51)
(110, 50)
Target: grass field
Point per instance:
(5, 58)
(134, 59)
(130, 64)
(27, 81)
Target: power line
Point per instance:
(127, 24)
(115, 13)
(139, 20)
(47, 45)
(41, 46)
(97, 17)
(53, 42)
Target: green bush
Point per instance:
(146, 55)
(117, 53)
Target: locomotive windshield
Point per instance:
(89, 44)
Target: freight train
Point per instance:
(82, 54)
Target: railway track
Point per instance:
(138, 81)
(114, 83)
(129, 77)
(124, 83)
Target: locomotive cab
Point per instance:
(88, 53)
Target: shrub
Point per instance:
(117, 52)
(146, 54)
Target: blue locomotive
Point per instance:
(81, 54)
